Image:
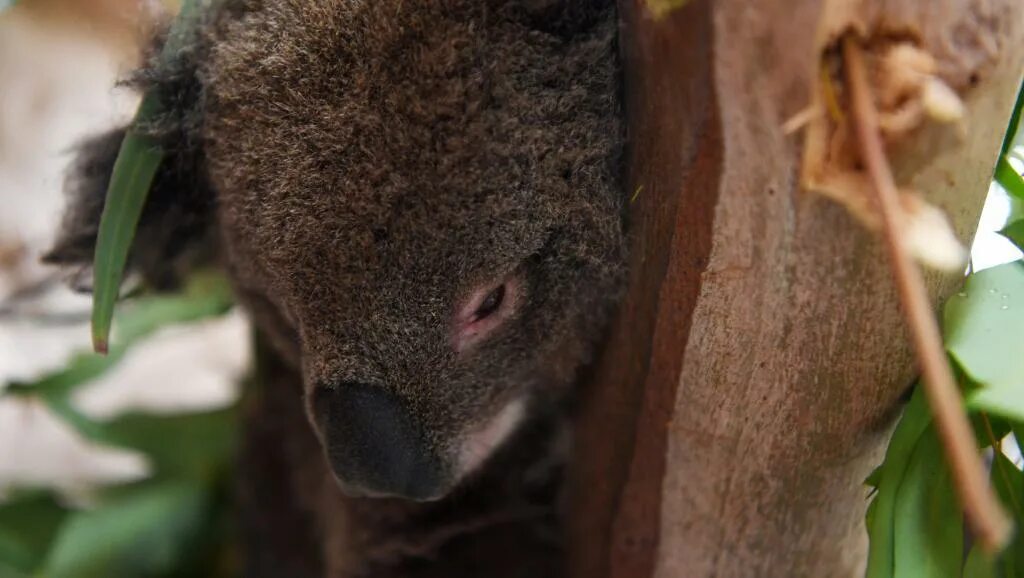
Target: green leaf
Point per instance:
(999, 428)
(1016, 209)
(136, 165)
(134, 170)
(874, 478)
(145, 532)
(204, 296)
(1009, 178)
(869, 516)
(982, 326)
(979, 564)
(882, 529)
(1007, 401)
(1014, 125)
(928, 520)
(203, 445)
(1015, 233)
(28, 524)
(1009, 484)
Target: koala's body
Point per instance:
(420, 204)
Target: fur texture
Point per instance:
(360, 169)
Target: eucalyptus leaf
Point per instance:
(136, 166)
(1009, 178)
(202, 448)
(874, 478)
(979, 564)
(997, 428)
(28, 523)
(204, 443)
(1004, 400)
(928, 521)
(134, 170)
(882, 523)
(983, 325)
(1015, 233)
(205, 295)
(1014, 124)
(1009, 484)
(146, 532)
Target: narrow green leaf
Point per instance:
(145, 532)
(928, 520)
(1014, 124)
(999, 427)
(1009, 484)
(137, 162)
(874, 478)
(205, 295)
(979, 564)
(881, 530)
(1015, 233)
(1009, 178)
(869, 516)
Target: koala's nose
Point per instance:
(374, 445)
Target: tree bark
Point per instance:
(757, 364)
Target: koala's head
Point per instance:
(419, 201)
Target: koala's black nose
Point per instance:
(374, 444)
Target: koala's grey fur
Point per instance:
(357, 167)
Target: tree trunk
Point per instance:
(756, 367)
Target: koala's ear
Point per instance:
(175, 230)
(565, 17)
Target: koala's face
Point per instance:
(420, 200)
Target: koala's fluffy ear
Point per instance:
(565, 17)
(174, 232)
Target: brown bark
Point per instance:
(755, 369)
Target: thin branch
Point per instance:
(981, 507)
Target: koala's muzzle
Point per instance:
(374, 445)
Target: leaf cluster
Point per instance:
(173, 523)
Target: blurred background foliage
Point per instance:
(116, 465)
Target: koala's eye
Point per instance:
(491, 303)
(484, 311)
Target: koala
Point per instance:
(420, 204)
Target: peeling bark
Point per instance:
(756, 366)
